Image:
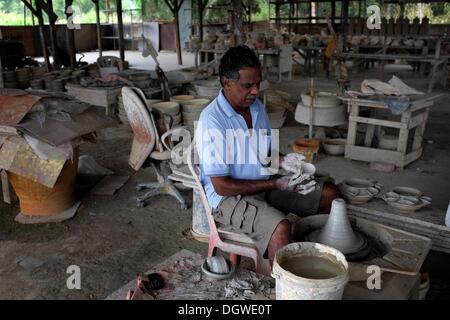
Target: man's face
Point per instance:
(243, 92)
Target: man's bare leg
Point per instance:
(280, 237)
(329, 193)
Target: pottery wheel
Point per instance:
(359, 251)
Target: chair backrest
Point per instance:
(142, 124)
(194, 167)
(110, 61)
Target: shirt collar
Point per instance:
(228, 109)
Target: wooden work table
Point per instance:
(414, 118)
(428, 221)
(97, 96)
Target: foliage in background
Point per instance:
(12, 11)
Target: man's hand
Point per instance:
(283, 183)
(292, 161)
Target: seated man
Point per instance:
(239, 188)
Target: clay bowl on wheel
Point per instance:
(334, 147)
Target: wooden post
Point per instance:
(344, 17)
(56, 58)
(42, 36)
(333, 12)
(174, 6)
(177, 38)
(120, 27)
(1, 68)
(99, 35)
(277, 15)
(38, 13)
(201, 8)
(237, 13)
(70, 39)
(311, 110)
(250, 11)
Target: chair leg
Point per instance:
(170, 189)
(235, 259)
(262, 266)
(140, 201)
(147, 185)
(211, 249)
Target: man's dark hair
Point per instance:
(235, 59)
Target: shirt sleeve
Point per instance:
(212, 147)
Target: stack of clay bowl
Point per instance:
(220, 43)
(38, 72)
(37, 84)
(77, 75)
(328, 110)
(191, 112)
(194, 43)
(181, 100)
(55, 83)
(274, 107)
(207, 88)
(67, 72)
(388, 142)
(10, 79)
(406, 199)
(170, 108)
(358, 191)
(93, 70)
(23, 76)
(142, 80)
(209, 41)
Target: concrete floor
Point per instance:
(111, 240)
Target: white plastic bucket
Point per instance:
(309, 271)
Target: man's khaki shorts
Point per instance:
(258, 215)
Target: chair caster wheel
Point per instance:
(184, 206)
(140, 204)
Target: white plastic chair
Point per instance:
(236, 244)
(148, 144)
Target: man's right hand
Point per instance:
(283, 183)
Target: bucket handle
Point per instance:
(276, 276)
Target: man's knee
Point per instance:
(283, 229)
(330, 191)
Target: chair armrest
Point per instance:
(168, 133)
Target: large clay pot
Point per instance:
(38, 200)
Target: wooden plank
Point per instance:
(5, 187)
(417, 120)
(418, 105)
(403, 135)
(379, 122)
(439, 242)
(418, 135)
(429, 218)
(371, 154)
(102, 97)
(369, 135)
(410, 157)
(354, 109)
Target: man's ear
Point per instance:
(225, 82)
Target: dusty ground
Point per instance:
(112, 240)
